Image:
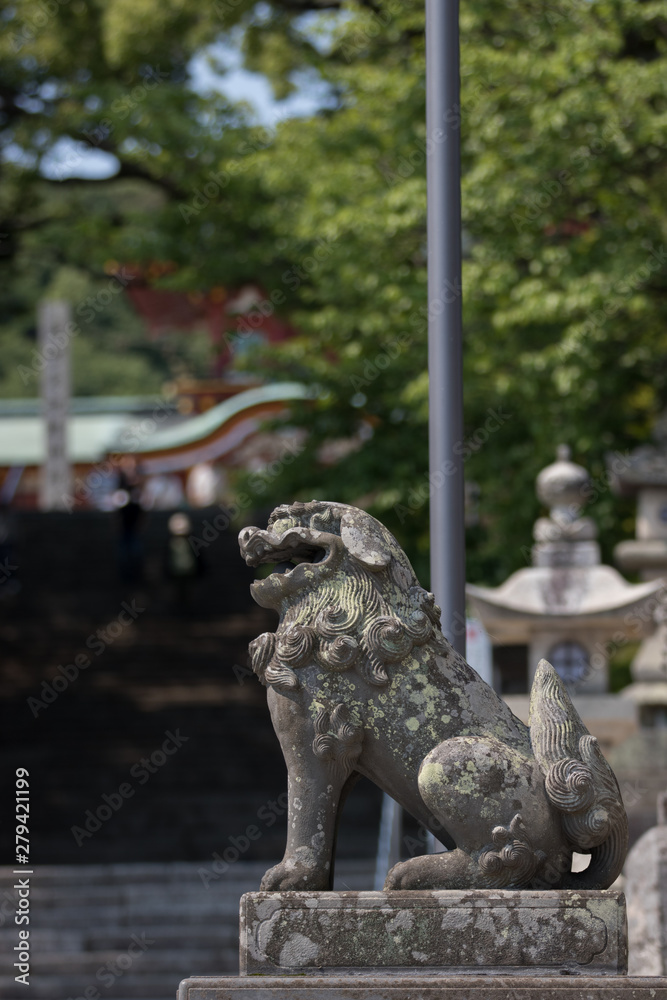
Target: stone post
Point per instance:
(646, 892)
(54, 351)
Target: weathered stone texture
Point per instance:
(429, 931)
(424, 988)
(646, 886)
(361, 681)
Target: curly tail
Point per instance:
(578, 782)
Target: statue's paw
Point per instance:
(449, 870)
(292, 874)
(404, 876)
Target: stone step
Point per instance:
(135, 915)
(43, 940)
(83, 918)
(125, 988)
(180, 896)
(185, 893)
(150, 962)
(170, 873)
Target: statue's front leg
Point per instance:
(314, 796)
(320, 756)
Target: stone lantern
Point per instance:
(567, 607)
(643, 474)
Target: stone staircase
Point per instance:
(169, 671)
(131, 931)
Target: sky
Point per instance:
(240, 85)
(69, 158)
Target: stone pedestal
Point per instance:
(406, 987)
(484, 931)
(439, 945)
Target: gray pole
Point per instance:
(443, 118)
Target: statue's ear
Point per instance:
(364, 539)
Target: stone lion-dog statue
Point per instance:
(361, 681)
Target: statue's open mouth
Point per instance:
(304, 555)
(285, 551)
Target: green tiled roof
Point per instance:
(93, 433)
(22, 440)
(204, 424)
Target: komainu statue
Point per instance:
(361, 681)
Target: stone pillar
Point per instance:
(646, 894)
(54, 350)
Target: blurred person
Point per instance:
(9, 583)
(183, 564)
(127, 501)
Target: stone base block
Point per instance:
(424, 988)
(485, 931)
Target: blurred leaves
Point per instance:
(564, 126)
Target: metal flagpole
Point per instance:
(443, 119)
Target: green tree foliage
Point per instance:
(564, 117)
(92, 78)
(563, 123)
